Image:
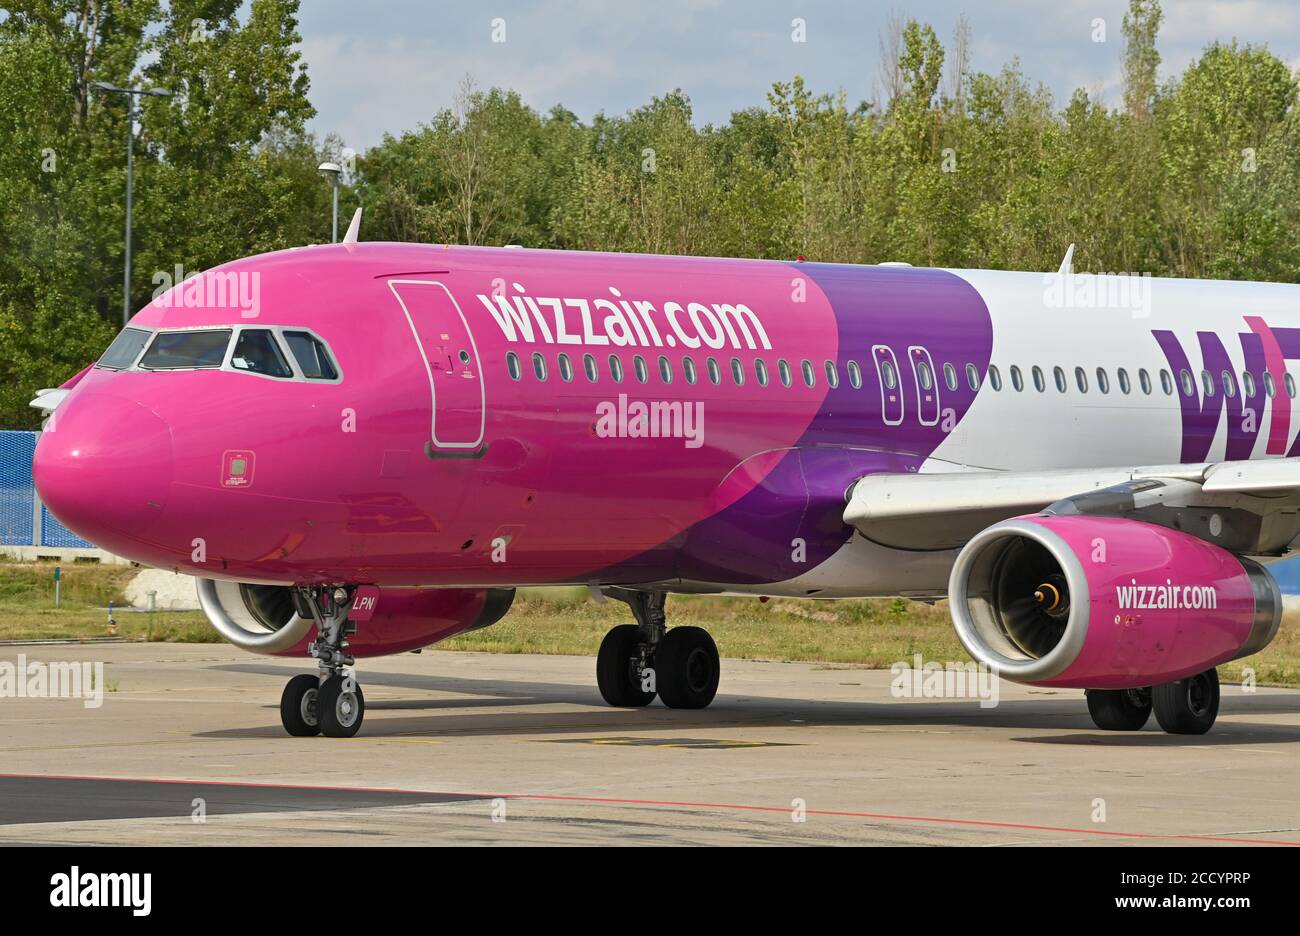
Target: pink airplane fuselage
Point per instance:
(430, 463)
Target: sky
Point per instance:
(387, 66)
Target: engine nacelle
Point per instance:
(1106, 603)
(264, 618)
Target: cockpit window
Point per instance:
(256, 351)
(312, 358)
(126, 347)
(171, 350)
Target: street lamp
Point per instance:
(332, 171)
(130, 175)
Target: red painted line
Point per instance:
(621, 801)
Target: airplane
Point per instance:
(365, 448)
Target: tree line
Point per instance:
(1197, 176)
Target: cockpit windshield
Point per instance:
(126, 347)
(186, 349)
(271, 351)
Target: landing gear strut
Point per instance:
(1188, 706)
(330, 703)
(638, 661)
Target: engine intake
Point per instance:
(264, 618)
(1106, 603)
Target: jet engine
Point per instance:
(1106, 603)
(266, 619)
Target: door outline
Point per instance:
(927, 414)
(434, 444)
(883, 354)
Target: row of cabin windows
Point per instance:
(1226, 383)
(565, 367)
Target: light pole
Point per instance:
(130, 175)
(332, 171)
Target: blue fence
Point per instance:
(24, 520)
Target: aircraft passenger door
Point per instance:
(446, 344)
(927, 385)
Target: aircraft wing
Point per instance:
(1248, 507)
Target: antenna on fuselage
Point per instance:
(354, 229)
(1067, 264)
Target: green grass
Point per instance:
(872, 632)
(27, 609)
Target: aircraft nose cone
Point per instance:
(105, 468)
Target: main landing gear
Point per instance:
(638, 661)
(330, 703)
(1188, 706)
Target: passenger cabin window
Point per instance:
(257, 352)
(855, 374)
(783, 369)
(832, 375)
(972, 376)
(950, 376)
(1145, 380)
(1207, 383)
(1269, 386)
(1103, 382)
(1290, 386)
(1229, 384)
(539, 366)
(566, 367)
(313, 360)
(589, 367)
(639, 368)
(1017, 380)
(186, 349)
(1247, 384)
(1081, 378)
(512, 365)
(689, 371)
(715, 372)
(738, 372)
(1185, 378)
(1166, 382)
(665, 370)
(995, 378)
(1058, 375)
(760, 372)
(126, 347)
(616, 368)
(809, 375)
(1124, 385)
(1040, 383)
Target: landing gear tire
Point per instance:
(341, 706)
(618, 668)
(298, 706)
(1119, 709)
(1188, 706)
(687, 668)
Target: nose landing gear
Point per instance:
(638, 661)
(330, 703)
